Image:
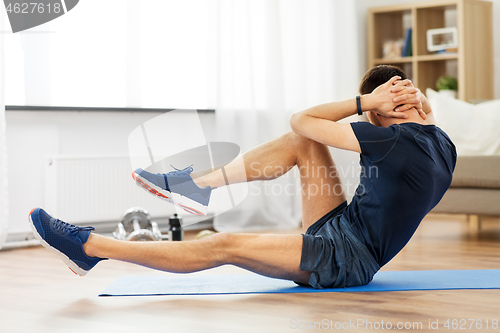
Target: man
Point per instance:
(407, 164)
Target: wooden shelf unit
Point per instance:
(472, 64)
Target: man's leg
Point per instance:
(321, 187)
(276, 256)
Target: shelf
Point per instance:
(431, 57)
(472, 62)
(402, 60)
(417, 5)
(386, 61)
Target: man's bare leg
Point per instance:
(271, 255)
(321, 187)
(275, 256)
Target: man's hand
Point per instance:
(406, 88)
(384, 100)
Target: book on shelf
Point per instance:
(407, 50)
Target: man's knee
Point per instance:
(220, 243)
(299, 142)
(308, 150)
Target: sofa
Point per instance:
(475, 188)
(475, 131)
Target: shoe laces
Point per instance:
(187, 169)
(69, 229)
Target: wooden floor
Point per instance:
(39, 294)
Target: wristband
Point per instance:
(358, 104)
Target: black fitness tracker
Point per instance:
(358, 104)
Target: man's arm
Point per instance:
(320, 122)
(426, 107)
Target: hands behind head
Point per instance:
(395, 96)
(409, 98)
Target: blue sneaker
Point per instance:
(176, 187)
(64, 239)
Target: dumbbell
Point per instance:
(136, 225)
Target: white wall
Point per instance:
(32, 136)
(363, 6)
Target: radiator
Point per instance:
(84, 189)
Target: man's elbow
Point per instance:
(295, 121)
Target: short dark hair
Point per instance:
(379, 75)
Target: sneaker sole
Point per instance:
(71, 265)
(188, 205)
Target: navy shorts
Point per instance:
(333, 253)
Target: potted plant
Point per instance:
(447, 85)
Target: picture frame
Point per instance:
(442, 39)
(392, 48)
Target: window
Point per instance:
(113, 53)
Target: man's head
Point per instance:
(379, 75)
(375, 77)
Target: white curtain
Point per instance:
(4, 203)
(270, 59)
(266, 60)
(136, 53)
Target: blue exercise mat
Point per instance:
(198, 284)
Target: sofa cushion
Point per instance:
(469, 201)
(477, 172)
(474, 129)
